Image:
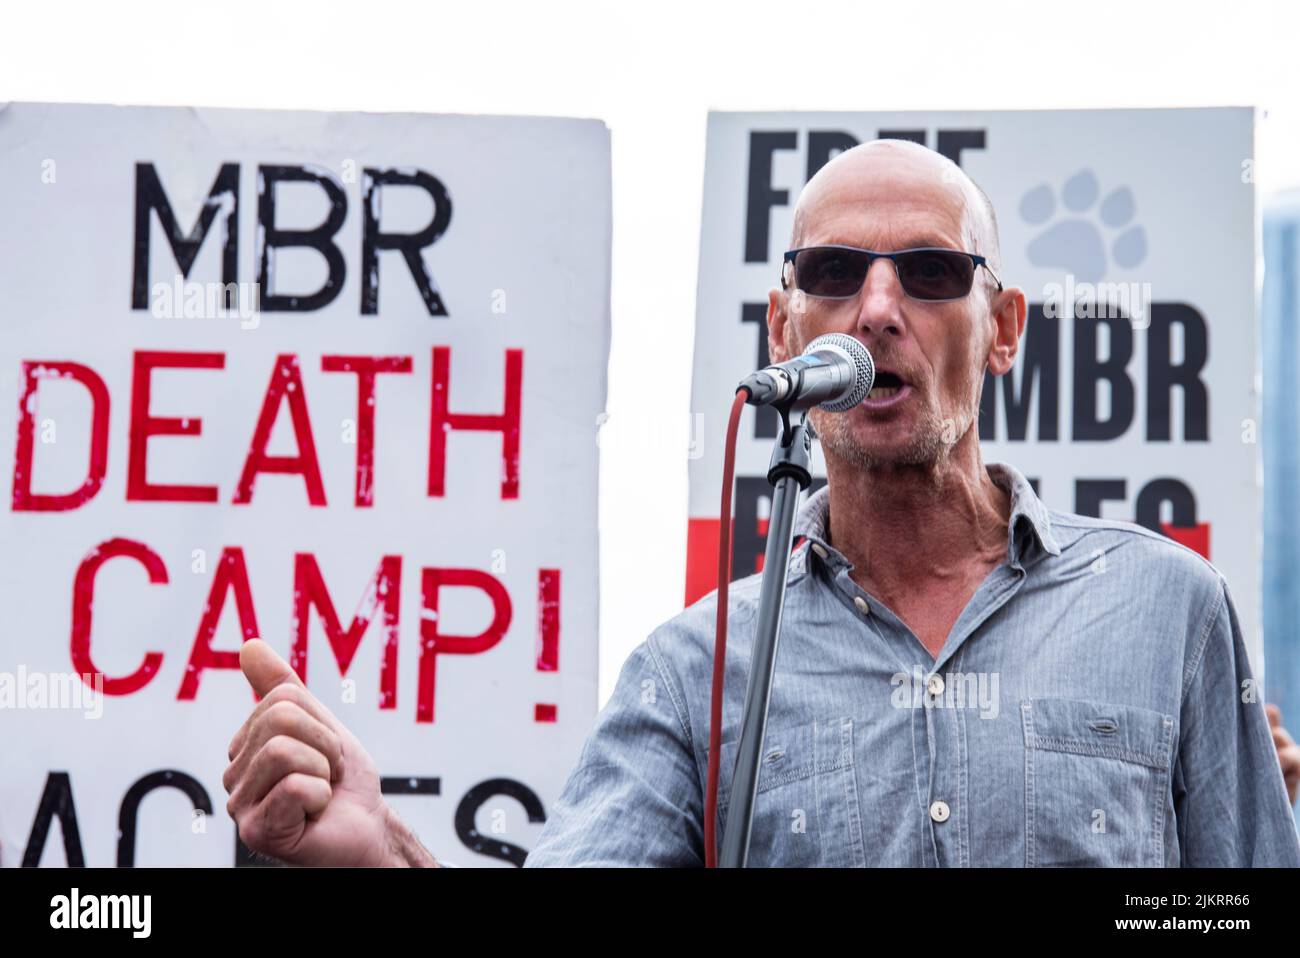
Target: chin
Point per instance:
(872, 453)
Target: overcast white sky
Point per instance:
(652, 72)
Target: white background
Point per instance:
(652, 72)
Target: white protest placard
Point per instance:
(327, 379)
(1133, 235)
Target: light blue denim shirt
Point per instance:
(1092, 705)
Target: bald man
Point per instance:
(966, 678)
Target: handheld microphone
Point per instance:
(835, 372)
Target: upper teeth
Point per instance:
(882, 392)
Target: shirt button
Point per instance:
(819, 550)
(861, 603)
(935, 685)
(939, 811)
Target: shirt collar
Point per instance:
(1030, 520)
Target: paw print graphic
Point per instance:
(1081, 235)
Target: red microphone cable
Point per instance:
(720, 640)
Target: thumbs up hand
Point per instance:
(302, 789)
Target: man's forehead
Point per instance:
(887, 196)
(895, 223)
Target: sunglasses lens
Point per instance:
(936, 274)
(833, 273)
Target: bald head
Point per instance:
(892, 166)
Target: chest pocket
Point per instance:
(806, 810)
(1096, 779)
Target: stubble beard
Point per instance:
(925, 447)
(929, 445)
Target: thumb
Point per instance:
(263, 668)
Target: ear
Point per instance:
(778, 314)
(1008, 315)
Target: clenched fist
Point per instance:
(302, 789)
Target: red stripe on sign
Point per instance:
(544, 713)
(702, 556)
(1196, 538)
(762, 531)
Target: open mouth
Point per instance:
(886, 385)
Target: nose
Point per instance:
(880, 303)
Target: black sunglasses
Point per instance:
(929, 273)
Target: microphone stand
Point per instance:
(788, 473)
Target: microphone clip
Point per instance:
(792, 454)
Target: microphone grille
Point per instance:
(864, 368)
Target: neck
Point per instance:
(902, 525)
